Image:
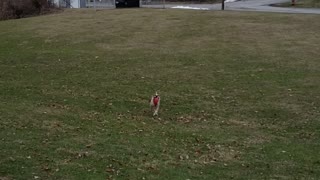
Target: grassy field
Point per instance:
(240, 95)
(301, 4)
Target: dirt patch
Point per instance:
(52, 109)
(247, 124)
(5, 178)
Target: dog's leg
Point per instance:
(156, 110)
(151, 104)
(155, 113)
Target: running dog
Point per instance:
(155, 104)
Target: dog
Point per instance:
(155, 104)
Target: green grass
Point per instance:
(240, 95)
(301, 4)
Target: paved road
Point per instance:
(264, 5)
(247, 5)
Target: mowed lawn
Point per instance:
(240, 95)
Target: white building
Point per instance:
(70, 3)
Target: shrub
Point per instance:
(10, 9)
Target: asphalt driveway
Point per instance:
(243, 5)
(264, 5)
